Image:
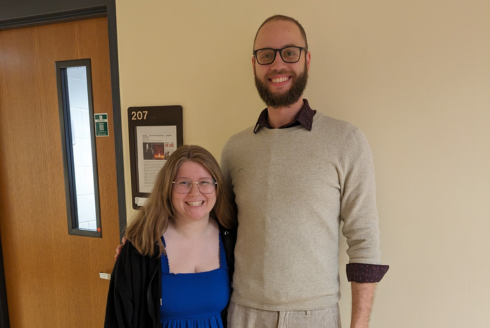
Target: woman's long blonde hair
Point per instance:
(151, 221)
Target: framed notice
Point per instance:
(154, 134)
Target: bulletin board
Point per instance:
(155, 132)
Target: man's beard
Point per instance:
(283, 99)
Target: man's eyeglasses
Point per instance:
(266, 56)
(184, 185)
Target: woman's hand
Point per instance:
(118, 249)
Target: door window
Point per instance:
(79, 151)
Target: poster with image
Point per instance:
(154, 145)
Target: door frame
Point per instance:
(46, 16)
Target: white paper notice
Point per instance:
(155, 144)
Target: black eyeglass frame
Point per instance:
(280, 54)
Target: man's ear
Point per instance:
(308, 59)
(253, 64)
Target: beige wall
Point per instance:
(414, 75)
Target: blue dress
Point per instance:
(194, 300)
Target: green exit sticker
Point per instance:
(101, 125)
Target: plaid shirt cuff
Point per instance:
(360, 272)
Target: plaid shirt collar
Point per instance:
(304, 117)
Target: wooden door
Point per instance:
(52, 278)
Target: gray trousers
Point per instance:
(245, 317)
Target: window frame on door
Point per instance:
(67, 147)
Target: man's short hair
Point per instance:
(284, 18)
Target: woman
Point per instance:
(176, 266)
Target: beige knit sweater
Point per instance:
(292, 188)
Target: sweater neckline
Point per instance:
(318, 116)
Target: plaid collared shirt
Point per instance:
(304, 117)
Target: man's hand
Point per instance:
(118, 249)
(362, 301)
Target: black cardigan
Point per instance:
(135, 291)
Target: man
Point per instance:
(295, 175)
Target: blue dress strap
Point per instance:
(165, 265)
(222, 255)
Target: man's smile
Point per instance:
(279, 79)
